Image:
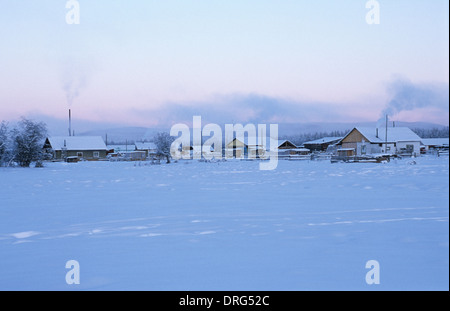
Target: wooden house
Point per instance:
(252, 147)
(364, 141)
(435, 144)
(120, 150)
(81, 147)
(149, 148)
(321, 145)
(236, 148)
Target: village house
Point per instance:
(321, 145)
(75, 147)
(118, 150)
(364, 141)
(253, 147)
(286, 149)
(149, 148)
(435, 144)
(126, 152)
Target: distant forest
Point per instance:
(432, 133)
(299, 139)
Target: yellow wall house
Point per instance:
(365, 141)
(235, 149)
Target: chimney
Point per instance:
(386, 133)
(70, 123)
(377, 133)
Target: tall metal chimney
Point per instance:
(386, 134)
(70, 124)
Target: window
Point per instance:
(388, 148)
(80, 154)
(96, 154)
(409, 148)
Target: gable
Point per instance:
(287, 145)
(355, 136)
(235, 143)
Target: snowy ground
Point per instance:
(226, 226)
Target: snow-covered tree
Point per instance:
(4, 143)
(432, 132)
(163, 141)
(27, 141)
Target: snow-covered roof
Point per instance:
(323, 140)
(265, 142)
(77, 142)
(394, 134)
(281, 142)
(145, 146)
(435, 141)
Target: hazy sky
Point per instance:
(148, 63)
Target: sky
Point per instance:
(154, 63)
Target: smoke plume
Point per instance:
(74, 78)
(407, 96)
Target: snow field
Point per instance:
(226, 226)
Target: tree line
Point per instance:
(299, 139)
(432, 132)
(22, 144)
